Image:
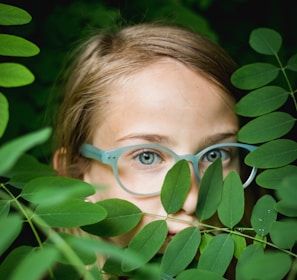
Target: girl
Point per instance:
(136, 100)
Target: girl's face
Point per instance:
(165, 104)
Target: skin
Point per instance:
(166, 104)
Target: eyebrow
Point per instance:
(163, 139)
(153, 138)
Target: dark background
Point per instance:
(56, 26)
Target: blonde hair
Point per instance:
(105, 58)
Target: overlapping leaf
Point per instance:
(261, 101)
(180, 251)
(176, 187)
(217, 255)
(122, 216)
(266, 128)
(231, 208)
(263, 215)
(210, 191)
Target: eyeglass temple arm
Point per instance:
(92, 152)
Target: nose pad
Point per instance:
(190, 203)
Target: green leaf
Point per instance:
(273, 178)
(15, 75)
(292, 63)
(231, 208)
(11, 15)
(180, 251)
(263, 215)
(76, 243)
(176, 186)
(191, 274)
(10, 228)
(148, 241)
(261, 101)
(276, 153)
(287, 193)
(4, 114)
(57, 188)
(16, 46)
(274, 265)
(71, 213)
(210, 191)
(13, 259)
(122, 216)
(4, 208)
(240, 244)
(284, 233)
(254, 75)
(265, 41)
(11, 151)
(35, 264)
(27, 168)
(248, 253)
(218, 254)
(266, 128)
(205, 239)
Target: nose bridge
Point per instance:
(190, 203)
(193, 162)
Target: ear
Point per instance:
(59, 160)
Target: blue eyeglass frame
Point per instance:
(111, 158)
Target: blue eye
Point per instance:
(212, 155)
(148, 158)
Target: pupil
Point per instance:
(146, 158)
(213, 155)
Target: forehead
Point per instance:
(164, 97)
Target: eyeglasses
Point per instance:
(141, 169)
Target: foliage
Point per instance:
(32, 195)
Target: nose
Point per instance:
(189, 206)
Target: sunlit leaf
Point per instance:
(122, 216)
(193, 273)
(260, 240)
(50, 190)
(248, 253)
(13, 259)
(218, 254)
(273, 178)
(4, 208)
(16, 46)
(210, 191)
(239, 244)
(11, 151)
(180, 251)
(148, 241)
(265, 41)
(15, 75)
(4, 113)
(41, 260)
(231, 208)
(204, 241)
(266, 128)
(261, 101)
(263, 215)
(11, 15)
(292, 63)
(255, 75)
(274, 265)
(71, 213)
(273, 154)
(10, 228)
(284, 233)
(176, 187)
(287, 193)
